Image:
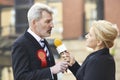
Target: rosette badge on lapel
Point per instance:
(41, 54)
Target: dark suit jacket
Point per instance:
(99, 65)
(25, 63)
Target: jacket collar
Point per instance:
(32, 39)
(101, 51)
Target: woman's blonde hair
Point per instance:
(105, 31)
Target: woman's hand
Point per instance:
(66, 56)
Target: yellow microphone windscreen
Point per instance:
(57, 42)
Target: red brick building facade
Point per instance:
(73, 12)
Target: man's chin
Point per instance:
(48, 35)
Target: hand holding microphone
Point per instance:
(62, 50)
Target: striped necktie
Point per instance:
(47, 53)
(44, 47)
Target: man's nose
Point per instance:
(51, 24)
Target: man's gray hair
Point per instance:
(36, 10)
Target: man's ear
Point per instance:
(33, 22)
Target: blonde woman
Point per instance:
(99, 65)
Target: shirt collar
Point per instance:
(34, 35)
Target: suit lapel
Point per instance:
(33, 40)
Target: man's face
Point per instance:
(44, 25)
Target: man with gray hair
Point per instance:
(32, 58)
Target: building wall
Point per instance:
(6, 22)
(112, 11)
(6, 2)
(73, 12)
(58, 26)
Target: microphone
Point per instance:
(61, 49)
(60, 46)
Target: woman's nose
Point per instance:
(86, 36)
